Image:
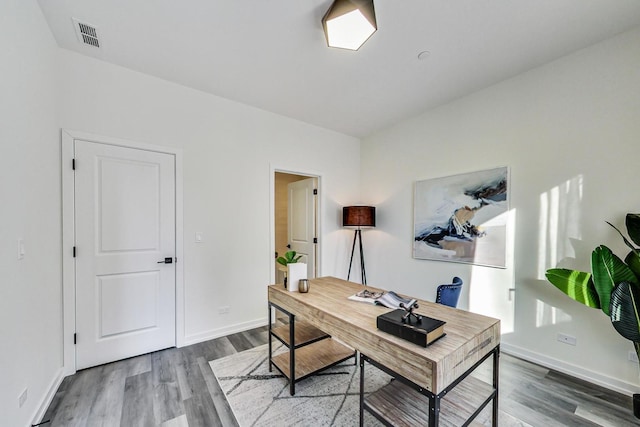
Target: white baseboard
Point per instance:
(48, 397)
(221, 332)
(569, 369)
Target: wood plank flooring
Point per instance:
(176, 388)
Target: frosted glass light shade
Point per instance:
(349, 23)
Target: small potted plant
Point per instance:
(613, 286)
(289, 258)
(295, 270)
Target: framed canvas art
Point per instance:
(462, 218)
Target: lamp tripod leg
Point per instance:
(362, 270)
(353, 247)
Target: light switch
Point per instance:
(199, 237)
(20, 249)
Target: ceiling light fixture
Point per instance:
(349, 23)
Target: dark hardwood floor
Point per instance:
(176, 388)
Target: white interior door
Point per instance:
(301, 221)
(125, 228)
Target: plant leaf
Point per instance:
(575, 284)
(633, 227)
(626, 241)
(633, 261)
(624, 310)
(608, 270)
(290, 255)
(281, 260)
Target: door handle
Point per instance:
(289, 246)
(167, 260)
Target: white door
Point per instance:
(301, 221)
(125, 231)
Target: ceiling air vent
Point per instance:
(87, 34)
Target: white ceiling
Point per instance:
(272, 53)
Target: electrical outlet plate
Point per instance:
(567, 339)
(223, 310)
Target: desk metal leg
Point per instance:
(270, 348)
(361, 391)
(292, 354)
(496, 380)
(434, 411)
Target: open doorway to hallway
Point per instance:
(296, 219)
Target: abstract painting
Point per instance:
(462, 218)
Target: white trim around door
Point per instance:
(68, 236)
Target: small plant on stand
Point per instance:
(288, 258)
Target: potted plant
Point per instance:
(295, 270)
(613, 286)
(288, 258)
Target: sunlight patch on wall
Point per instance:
(559, 222)
(547, 315)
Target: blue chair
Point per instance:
(449, 294)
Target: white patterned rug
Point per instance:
(261, 398)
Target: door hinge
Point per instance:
(315, 240)
(74, 251)
(75, 338)
(73, 164)
(315, 191)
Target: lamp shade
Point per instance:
(359, 216)
(349, 23)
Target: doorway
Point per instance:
(122, 284)
(296, 209)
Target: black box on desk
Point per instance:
(423, 333)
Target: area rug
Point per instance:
(261, 398)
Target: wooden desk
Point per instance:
(433, 371)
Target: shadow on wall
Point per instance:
(559, 242)
(560, 219)
(547, 312)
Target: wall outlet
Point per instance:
(223, 310)
(23, 397)
(633, 357)
(567, 339)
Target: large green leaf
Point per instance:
(633, 261)
(576, 284)
(608, 270)
(624, 310)
(633, 227)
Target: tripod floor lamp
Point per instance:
(358, 217)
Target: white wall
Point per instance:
(229, 152)
(30, 289)
(570, 133)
